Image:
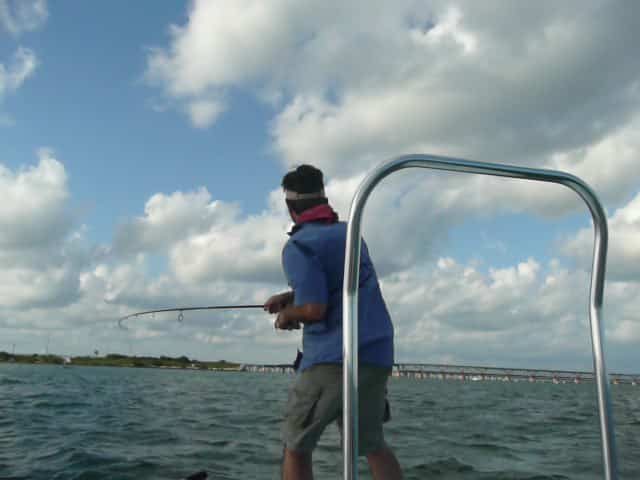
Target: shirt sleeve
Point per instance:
(305, 275)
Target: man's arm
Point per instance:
(278, 302)
(291, 317)
(307, 279)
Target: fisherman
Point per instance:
(313, 262)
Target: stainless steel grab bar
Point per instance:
(352, 272)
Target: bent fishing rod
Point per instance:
(181, 311)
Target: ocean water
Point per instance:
(119, 423)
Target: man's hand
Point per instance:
(291, 317)
(278, 302)
(284, 321)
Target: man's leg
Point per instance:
(297, 465)
(384, 465)
(314, 402)
(373, 409)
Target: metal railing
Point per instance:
(352, 272)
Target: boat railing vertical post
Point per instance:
(352, 272)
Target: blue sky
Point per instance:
(90, 104)
(132, 109)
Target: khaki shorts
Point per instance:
(315, 400)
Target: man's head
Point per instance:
(304, 189)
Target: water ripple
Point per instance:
(126, 424)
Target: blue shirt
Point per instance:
(313, 261)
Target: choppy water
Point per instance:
(107, 423)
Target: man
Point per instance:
(313, 261)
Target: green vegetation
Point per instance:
(35, 358)
(117, 360)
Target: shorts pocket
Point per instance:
(300, 418)
(301, 406)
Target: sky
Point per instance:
(142, 145)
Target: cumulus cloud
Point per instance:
(526, 314)
(624, 299)
(206, 240)
(30, 288)
(40, 255)
(257, 27)
(123, 288)
(35, 212)
(134, 286)
(247, 250)
(560, 92)
(624, 243)
(18, 16)
(428, 84)
(170, 218)
(238, 39)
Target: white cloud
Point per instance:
(560, 92)
(520, 315)
(13, 75)
(207, 240)
(624, 243)
(624, 299)
(41, 255)
(170, 218)
(442, 77)
(238, 39)
(248, 250)
(22, 66)
(18, 16)
(28, 287)
(205, 112)
(457, 80)
(526, 314)
(34, 213)
(110, 292)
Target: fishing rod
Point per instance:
(181, 311)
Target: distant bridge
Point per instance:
(424, 371)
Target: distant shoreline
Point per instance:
(418, 371)
(117, 360)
